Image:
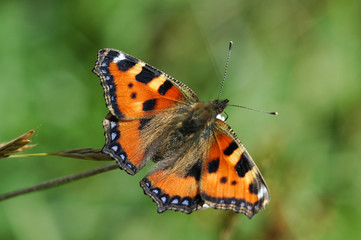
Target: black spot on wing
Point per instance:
(253, 187)
(146, 75)
(149, 105)
(223, 179)
(213, 166)
(165, 87)
(195, 171)
(230, 149)
(127, 63)
(134, 95)
(111, 55)
(243, 165)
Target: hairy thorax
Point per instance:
(189, 129)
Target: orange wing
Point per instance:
(230, 179)
(134, 92)
(134, 89)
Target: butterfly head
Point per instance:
(220, 105)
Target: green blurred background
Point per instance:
(300, 58)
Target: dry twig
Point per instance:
(16, 145)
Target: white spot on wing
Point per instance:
(119, 58)
(205, 206)
(262, 192)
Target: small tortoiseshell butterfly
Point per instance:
(200, 162)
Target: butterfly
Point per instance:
(199, 160)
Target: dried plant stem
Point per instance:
(79, 153)
(18, 144)
(28, 155)
(58, 181)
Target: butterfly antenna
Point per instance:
(256, 110)
(225, 71)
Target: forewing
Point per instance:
(134, 89)
(136, 93)
(230, 179)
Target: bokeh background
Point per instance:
(300, 58)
